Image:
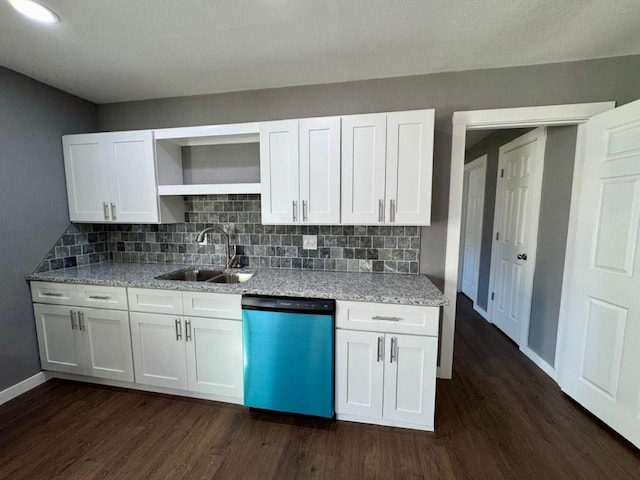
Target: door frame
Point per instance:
(570, 114)
(480, 162)
(523, 337)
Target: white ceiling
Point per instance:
(120, 50)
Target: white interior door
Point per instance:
(475, 173)
(600, 358)
(518, 191)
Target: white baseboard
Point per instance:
(540, 362)
(482, 312)
(24, 386)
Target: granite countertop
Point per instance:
(365, 287)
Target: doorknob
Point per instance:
(522, 256)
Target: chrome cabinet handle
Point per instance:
(74, 325)
(113, 211)
(392, 211)
(178, 329)
(380, 349)
(304, 210)
(105, 208)
(381, 210)
(295, 211)
(81, 324)
(394, 350)
(51, 294)
(100, 297)
(187, 329)
(387, 319)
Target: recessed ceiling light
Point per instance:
(35, 11)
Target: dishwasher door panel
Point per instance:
(288, 362)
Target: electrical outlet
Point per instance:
(309, 242)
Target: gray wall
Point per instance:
(33, 203)
(587, 81)
(559, 159)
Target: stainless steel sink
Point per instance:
(231, 278)
(194, 275)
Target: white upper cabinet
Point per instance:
(387, 164)
(111, 178)
(300, 171)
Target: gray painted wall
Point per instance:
(574, 82)
(33, 203)
(559, 159)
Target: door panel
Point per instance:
(410, 378)
(515, 233)
(59, 342)
(363, 168)
(360, 373)
(214, 356)
(107, 344)
(158, 350)
(474, 212)
(600, 354)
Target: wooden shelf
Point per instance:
(208, 189)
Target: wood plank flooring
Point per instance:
(498, 418)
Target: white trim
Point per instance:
(540, 362)
(24, 386)
(479, 119)
(483, 313)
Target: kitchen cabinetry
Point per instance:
(384, 376)
(88, 341)
(387, 164)
(111, 177)
(198, 354)
(300, 171)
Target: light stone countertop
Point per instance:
(364, 287)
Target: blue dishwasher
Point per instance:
(288, 354)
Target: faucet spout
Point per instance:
(232, 260)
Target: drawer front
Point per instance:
(218, 305)
(155, 301)
(56, 293)
(97, 296)
(384, 317)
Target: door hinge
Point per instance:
(497, 235)
(493, 295)
(501, 172)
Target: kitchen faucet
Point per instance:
(232, 260)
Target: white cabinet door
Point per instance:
(107, 343)
(87, 178)
(363, 168)
(320, 170)
(409, 379)
(214, 356)
(132, 177)
(279, 172)
(409, 167)
(359, 372)
(158, 350)
(59, 339)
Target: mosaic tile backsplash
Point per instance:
(393, 249)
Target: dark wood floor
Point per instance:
(499, 417)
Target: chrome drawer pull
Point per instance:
(105, 207)
(178, 329)
(381, 210)
(51, 294)
(388, 319)
(380, 349)
(113, 211)
(74, 325)
(295, 211)
(100, 297)
(81, 324)
(392, 211)
(394, 350)
(187, 330)
(304, 210)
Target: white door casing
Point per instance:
(475, 173)
(513, 253)
(600, 354)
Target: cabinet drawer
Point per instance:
(155, 301)
(56, 293)
(383, 317)
(218, 305)
(97, 296)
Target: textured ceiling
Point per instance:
(119, 50)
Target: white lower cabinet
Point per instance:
(385, 378)
(85, 341)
